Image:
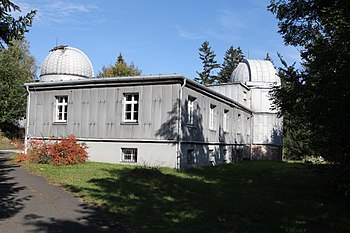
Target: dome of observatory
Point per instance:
(260, 71)
(66, 63)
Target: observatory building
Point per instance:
(160, 120)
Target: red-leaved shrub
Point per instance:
(57, 151)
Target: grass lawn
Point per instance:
(255, 196)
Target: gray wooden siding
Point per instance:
(238, 127)
(98, 112)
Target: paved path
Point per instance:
(29, 204)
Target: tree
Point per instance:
(17, 66)
(119, 69)
(318, 95)
(209, 64)
(231, 60)
(287, 99)
(10, 27)
(268, 58)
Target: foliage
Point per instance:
(231, 60)
(296, 134)
(56, 151)
(254, 196)
(10, 27)
(268, 58)
(317, 96)
(6, 143)
(209, 65)
(119, 69)
(17, 66)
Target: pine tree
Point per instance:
(268, 58)
(13, 28)
(209, 65)
(231, 60)
(120, 58)
(119, 69)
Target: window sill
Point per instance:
(59, 123)
(191, 126)
(128, 162)
(129, 123)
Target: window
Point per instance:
(129, 155)
(211, 155)
(225, 123)
(61, 108)
(226, 156)
(190, 156)
(190, 110)
(211, 116)
(244, 95)
(131, 107)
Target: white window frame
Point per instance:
(190, 110)
(134, 103)
(61, 108)
(129, 155)
(225, 124)
(212, 117)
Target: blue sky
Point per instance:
(159, 36)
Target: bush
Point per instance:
(57, 151)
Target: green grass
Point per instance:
(256, 196)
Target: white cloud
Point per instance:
(59, 11)
(224, 26)
(190, 35)
(230, 20)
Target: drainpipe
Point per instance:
(251, 135)
(27, 122)
(179, 127)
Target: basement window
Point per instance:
(129, 155)
(190, 156)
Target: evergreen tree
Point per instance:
(317, 95)
(209, 65)
(268, 58)
(119, 69)
(17, 66)
(10, 27)
(231, 60)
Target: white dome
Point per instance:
(66, 63)
(258, 71)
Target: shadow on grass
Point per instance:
(255, 197)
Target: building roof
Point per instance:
(66, 63)
(133, 81)
(255, 71)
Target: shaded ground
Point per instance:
(254, 196)
(29, 204)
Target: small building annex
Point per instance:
(160, 120)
